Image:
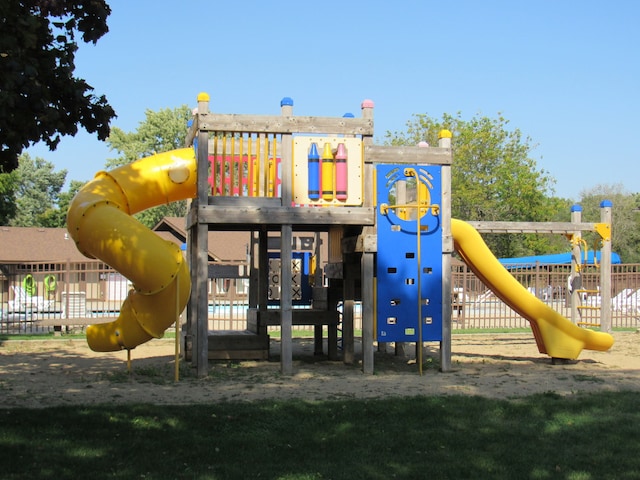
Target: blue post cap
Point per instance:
(348, 115)
(576, 208)
(286, 102)
(606, 203)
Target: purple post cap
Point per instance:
(286, 102)
(576, 208)
(423, 144)
(341, 154)
(367, 104)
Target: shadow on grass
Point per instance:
(543, 436)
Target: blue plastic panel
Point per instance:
(399, 303)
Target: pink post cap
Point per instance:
(367, 104)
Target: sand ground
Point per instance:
(38, 374)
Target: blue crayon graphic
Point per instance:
(314, 173)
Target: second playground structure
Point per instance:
(384, 210)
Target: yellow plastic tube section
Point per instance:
(555, 335)
(100, 222)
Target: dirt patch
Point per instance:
(66, 372)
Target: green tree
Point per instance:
(625, 229)
(38, 191)
(493, 175)
(559, 211)
(40, 98)
(56, 216)
(8, 189)
(161, 131)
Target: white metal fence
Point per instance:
(40, 298)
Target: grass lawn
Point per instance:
(584, 437)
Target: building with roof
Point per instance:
(49, 259)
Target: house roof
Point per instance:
(225, 246)
(32, 244)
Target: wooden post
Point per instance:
(605, 269)
(317, 283)
(202, 258)
(447, 252)
(334, 295)
(348, 301)
(575, 277)
(286, 237)
(367, 260)
(263, 269)
(368, 305)
(254, 272)
(190, 343)
(286, 312)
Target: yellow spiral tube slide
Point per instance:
(100, 222)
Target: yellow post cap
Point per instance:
(203, 97)
(444, 133)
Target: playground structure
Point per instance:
(385, 210)
(311, 174)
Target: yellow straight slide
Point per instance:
(100, 222)
(555, 335)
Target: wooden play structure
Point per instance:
(273, 175)
(383, 211)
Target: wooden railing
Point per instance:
(244, 165)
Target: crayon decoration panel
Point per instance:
(327, 171)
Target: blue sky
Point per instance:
(564, 72)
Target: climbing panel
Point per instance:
(409, 258)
